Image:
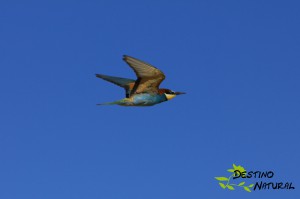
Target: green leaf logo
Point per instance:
(242, 183)
(222, 178)
(222, 185)
(247, 189)
(231, 186)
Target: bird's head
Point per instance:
(169, 93)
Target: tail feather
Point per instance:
(122, 102)
(107, 103)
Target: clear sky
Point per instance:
(238, 61)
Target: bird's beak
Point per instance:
(179, 93)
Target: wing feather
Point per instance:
(149, 77)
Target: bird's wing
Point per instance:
(123, 82)
(127, 84)
(149, 77)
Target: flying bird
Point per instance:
(144, 91)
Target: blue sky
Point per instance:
(238, 61)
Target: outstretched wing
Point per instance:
(127, 84)
(149, 77)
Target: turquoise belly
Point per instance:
(148, 99)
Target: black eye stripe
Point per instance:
(169, 92)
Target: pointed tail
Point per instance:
(122, 102)
(107, 103)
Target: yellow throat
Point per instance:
(169, 96)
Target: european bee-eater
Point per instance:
(145, 90)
